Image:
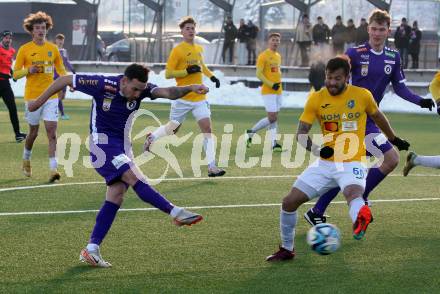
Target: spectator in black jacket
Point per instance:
(252, 32)
(320, 33)
(242, 42)
(338, 36)
(230, 31)
(350, 34)
(362, 32)
(414, 45)
(401, 41)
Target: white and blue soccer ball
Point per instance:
(324, 238)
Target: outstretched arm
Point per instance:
(176, 92)
(55, 87)
(384, 125)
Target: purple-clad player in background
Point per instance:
(115, 98)
(374, 67)
(59, 41)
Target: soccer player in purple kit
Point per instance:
(59, 41)
(374, 67)
(115, 98)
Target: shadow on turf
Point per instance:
(300, 273)
(70, 274)
(12, 181)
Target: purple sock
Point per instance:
(104, 221)
(61, 106)
(324, 201)
(374, 177)
(149, 195)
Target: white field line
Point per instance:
(185, 179)
(199, 207)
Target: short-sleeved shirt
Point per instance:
(6, 57)
(110, 110)
(338, 115)
(182, 56)
(269, 62)
(46, 57)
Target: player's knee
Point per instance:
(290, 203)
(391, 160)
(272, 118)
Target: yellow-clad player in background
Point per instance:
(413, 159)
(269, 72)
(36, 61)
(185, 64)
(341, 110)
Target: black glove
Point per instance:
(326, 152)
(276, 86)
(438, 109)
(216, 81)
(427, 103)
(400, 143)
(73, 72)
(193, 69)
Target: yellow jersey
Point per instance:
(45, 57)
(269, 64)
(342, 119)
(434, 87)
(182, 56)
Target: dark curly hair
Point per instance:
(34, 18)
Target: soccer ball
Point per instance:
(324, 238)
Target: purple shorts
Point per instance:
(110, 161)
(376, 142)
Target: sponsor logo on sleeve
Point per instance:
(88, 82)
(113, 83)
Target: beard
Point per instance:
(336, 90)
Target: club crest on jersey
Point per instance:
(388, 69)
(350, 104)
(131, 105)
(364, 70)
(106, 104)
(49, 53)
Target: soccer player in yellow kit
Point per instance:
(36, 61)
(269, 72)
(413, 159)
(185, 64)
(341, 110)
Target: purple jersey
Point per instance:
(375, 71)
(110, 110)
(66, 62)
